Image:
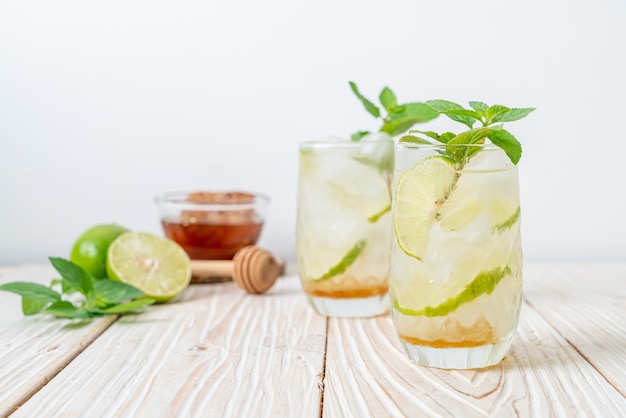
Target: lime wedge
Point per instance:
(419, 195)
(156, 265)
(461, 207)
(508, 222)
(483, 283)
(345, 262)
(374, 218)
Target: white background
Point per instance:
(105, 104)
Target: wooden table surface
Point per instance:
(217, 351)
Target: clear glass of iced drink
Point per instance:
(455, 277)
(344, 225)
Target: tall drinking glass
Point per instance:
(455, 277)
(343, 225)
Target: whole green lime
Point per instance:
(90, 249)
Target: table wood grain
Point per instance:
(217, 351)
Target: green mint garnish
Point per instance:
(490, 119)
(345, 262)
(483, 283)
(399, 118)
(100, 296)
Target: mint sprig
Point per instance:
(490, 118)
(399, 118)
(99, 296)
(461, 147)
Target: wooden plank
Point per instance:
(367, 374)
(35, 349)
(586, 304)
(215, 352)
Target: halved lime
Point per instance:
(420, 193)
(156, 265)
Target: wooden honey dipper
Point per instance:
(252, 268)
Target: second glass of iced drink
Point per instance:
(344, 225)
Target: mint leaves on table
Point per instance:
(490, 119)
(399, 118)
(98, 296)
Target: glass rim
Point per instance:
(178, 200)
(327, 143)
(487, 146)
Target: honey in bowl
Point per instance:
(212, 225)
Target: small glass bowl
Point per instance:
(212, 225)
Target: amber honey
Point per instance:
(347, 286)
(212, 241)
(206, 233)
(454, 335)
(444, 343)
(355, 292)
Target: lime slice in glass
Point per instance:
(420, 194)
(484, 282)
(156, 265)
(345, 262)
(462, 206)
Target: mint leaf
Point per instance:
(369, 106)
(495, 111)
(411, 114)
(446, 137)
(358, 135)
(444, 105)
(388, 100)
(32, 291)
(33, 306)
(513, 114)
(505, 140)
(479, 106)
(66, 310)
(457, 146)
(413, 139)
(397, 126)
(102, 296)
(429, 134)
(73, 275)
(399, 117)
(107, 292)
(472, 136)
(124, 307)
(420, 111)
(470, 114)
